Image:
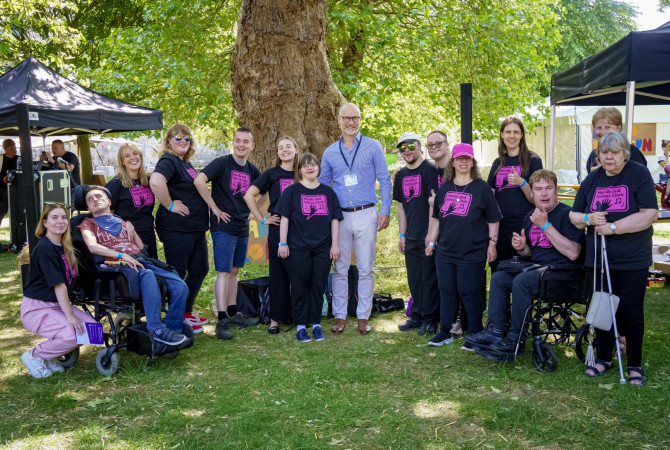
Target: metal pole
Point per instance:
(630, 106)
(27, 178)
(552, 132)
(466, 113)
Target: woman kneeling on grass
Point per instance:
(45, 309)
(310, 228)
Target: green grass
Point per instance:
(385, 390)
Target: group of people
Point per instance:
(451, 223)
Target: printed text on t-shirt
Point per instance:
(284, 183)
(456, 203)
(411, 187)
(142, 196)
(538, 238)
(314, 205)
(239, 182)
(501, 177)
(610, 199)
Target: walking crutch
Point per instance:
(606, 265)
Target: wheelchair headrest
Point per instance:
(80, 195)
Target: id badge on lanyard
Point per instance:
(351, 179)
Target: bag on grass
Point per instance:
(384, 303)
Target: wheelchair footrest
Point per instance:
(140, 342)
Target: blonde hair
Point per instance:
(610, 114)
(177, 128)
(66, 239)
(122, 172)
(296, 157)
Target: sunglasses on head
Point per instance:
(404, 148)
(179, 137)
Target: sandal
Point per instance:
(639, 378)
(595, 372)
(273, 329)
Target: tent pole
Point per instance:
(630, 106)
(27, 179)
(552, 130)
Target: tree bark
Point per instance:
(281, 81)
(85, 161)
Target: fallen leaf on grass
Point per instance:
(98, 401)
(496, 390)
(335, 441)
(606, 386)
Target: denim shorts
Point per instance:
(229, 251)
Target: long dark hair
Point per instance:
(524, 151)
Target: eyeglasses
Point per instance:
(309, 165)
(435, 145)
(404, 148)
(351, 119)
(179, 137)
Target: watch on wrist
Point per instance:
(493, 238)
(613, 227)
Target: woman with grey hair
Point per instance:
(618, 200)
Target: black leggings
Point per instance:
(280, 291)
(187, 253)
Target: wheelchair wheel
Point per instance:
(547, 362)
(582, 342)
(112, 365)
(69, 359)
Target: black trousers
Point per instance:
(148, 237)
(462, 279)
(504, 247)
(308, 271)
(187, 253)
(630, 287)
(280, 291)
(422, 281)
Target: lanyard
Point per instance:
(355, 153)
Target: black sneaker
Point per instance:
(166, 336)
(484, 338)
(508, 345)
(440, 339)
(222, 329)
(427, 328)
(409, 325)
(241, 321)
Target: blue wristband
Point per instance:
(283, 245)
(402, 234)
(263, 221)
(171, 206)
(120, 256)
(586, 219)
(524, 182)
(432, 244)
(544, 227)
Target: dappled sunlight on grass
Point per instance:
(441, 409)
(384, 326)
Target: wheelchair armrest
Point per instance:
(566, 267)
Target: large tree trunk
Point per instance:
(281, 80)
(85, 162)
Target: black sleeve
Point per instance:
(437, 203)
(492, 173)
(580, 203)
(645, 194)
(590, 162)
(71, 158)
(255, 174)
(569, 230)
(492, 210)
(166, 167)
(636, 155)
(431, 182)
(215, 169)
(114, 187)
(263, 181)
(397, 194)
(335, 203)
(284, 206)
(535, 164)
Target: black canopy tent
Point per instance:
(36, 100)
(634, 70)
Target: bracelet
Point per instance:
(432, 244)
(263, 221)
(544, 227)
(120, 256)
(522, 184)
(171, 206)
(283, 244)
(586, 219)
(493, 238)
(402, 234)
(523, 249)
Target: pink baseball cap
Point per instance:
(462, 150)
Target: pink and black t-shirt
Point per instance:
(464, 213)
(48, 268)
(310, 212)
(412, 188)
(274, 180)
(134, 204)
(542, 251)
(230, 181)
(620, 196)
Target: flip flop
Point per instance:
(639, 378)
(273, 329)
(596, 372)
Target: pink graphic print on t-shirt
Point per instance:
(501, 177)
(314, 205)
(538, 238)
(239, 182)
(70, 272)
(142, 196)
(411, 187)
(456, 203)
(610, 199)
(284, 183)
(191, 171)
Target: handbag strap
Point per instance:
(595, 258)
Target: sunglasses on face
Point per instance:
(179, 137)
(404, 148)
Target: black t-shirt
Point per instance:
(71, 158)
(464, 213)
(274, 180)
(542, 251)
(7, 164)
(230, 182)
(310, 212)
(179, 176)
(635, 155)
(620, 195)
(411, 188)
(48, 267)
(511, 199)
(134, 204)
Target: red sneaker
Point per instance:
(197, 329)
(193, 319)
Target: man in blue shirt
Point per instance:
(352, 165)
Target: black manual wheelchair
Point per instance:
(111, 294)
(556, 316)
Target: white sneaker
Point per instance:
(35, 365)
(54, 366)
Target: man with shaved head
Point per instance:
(352, 165)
